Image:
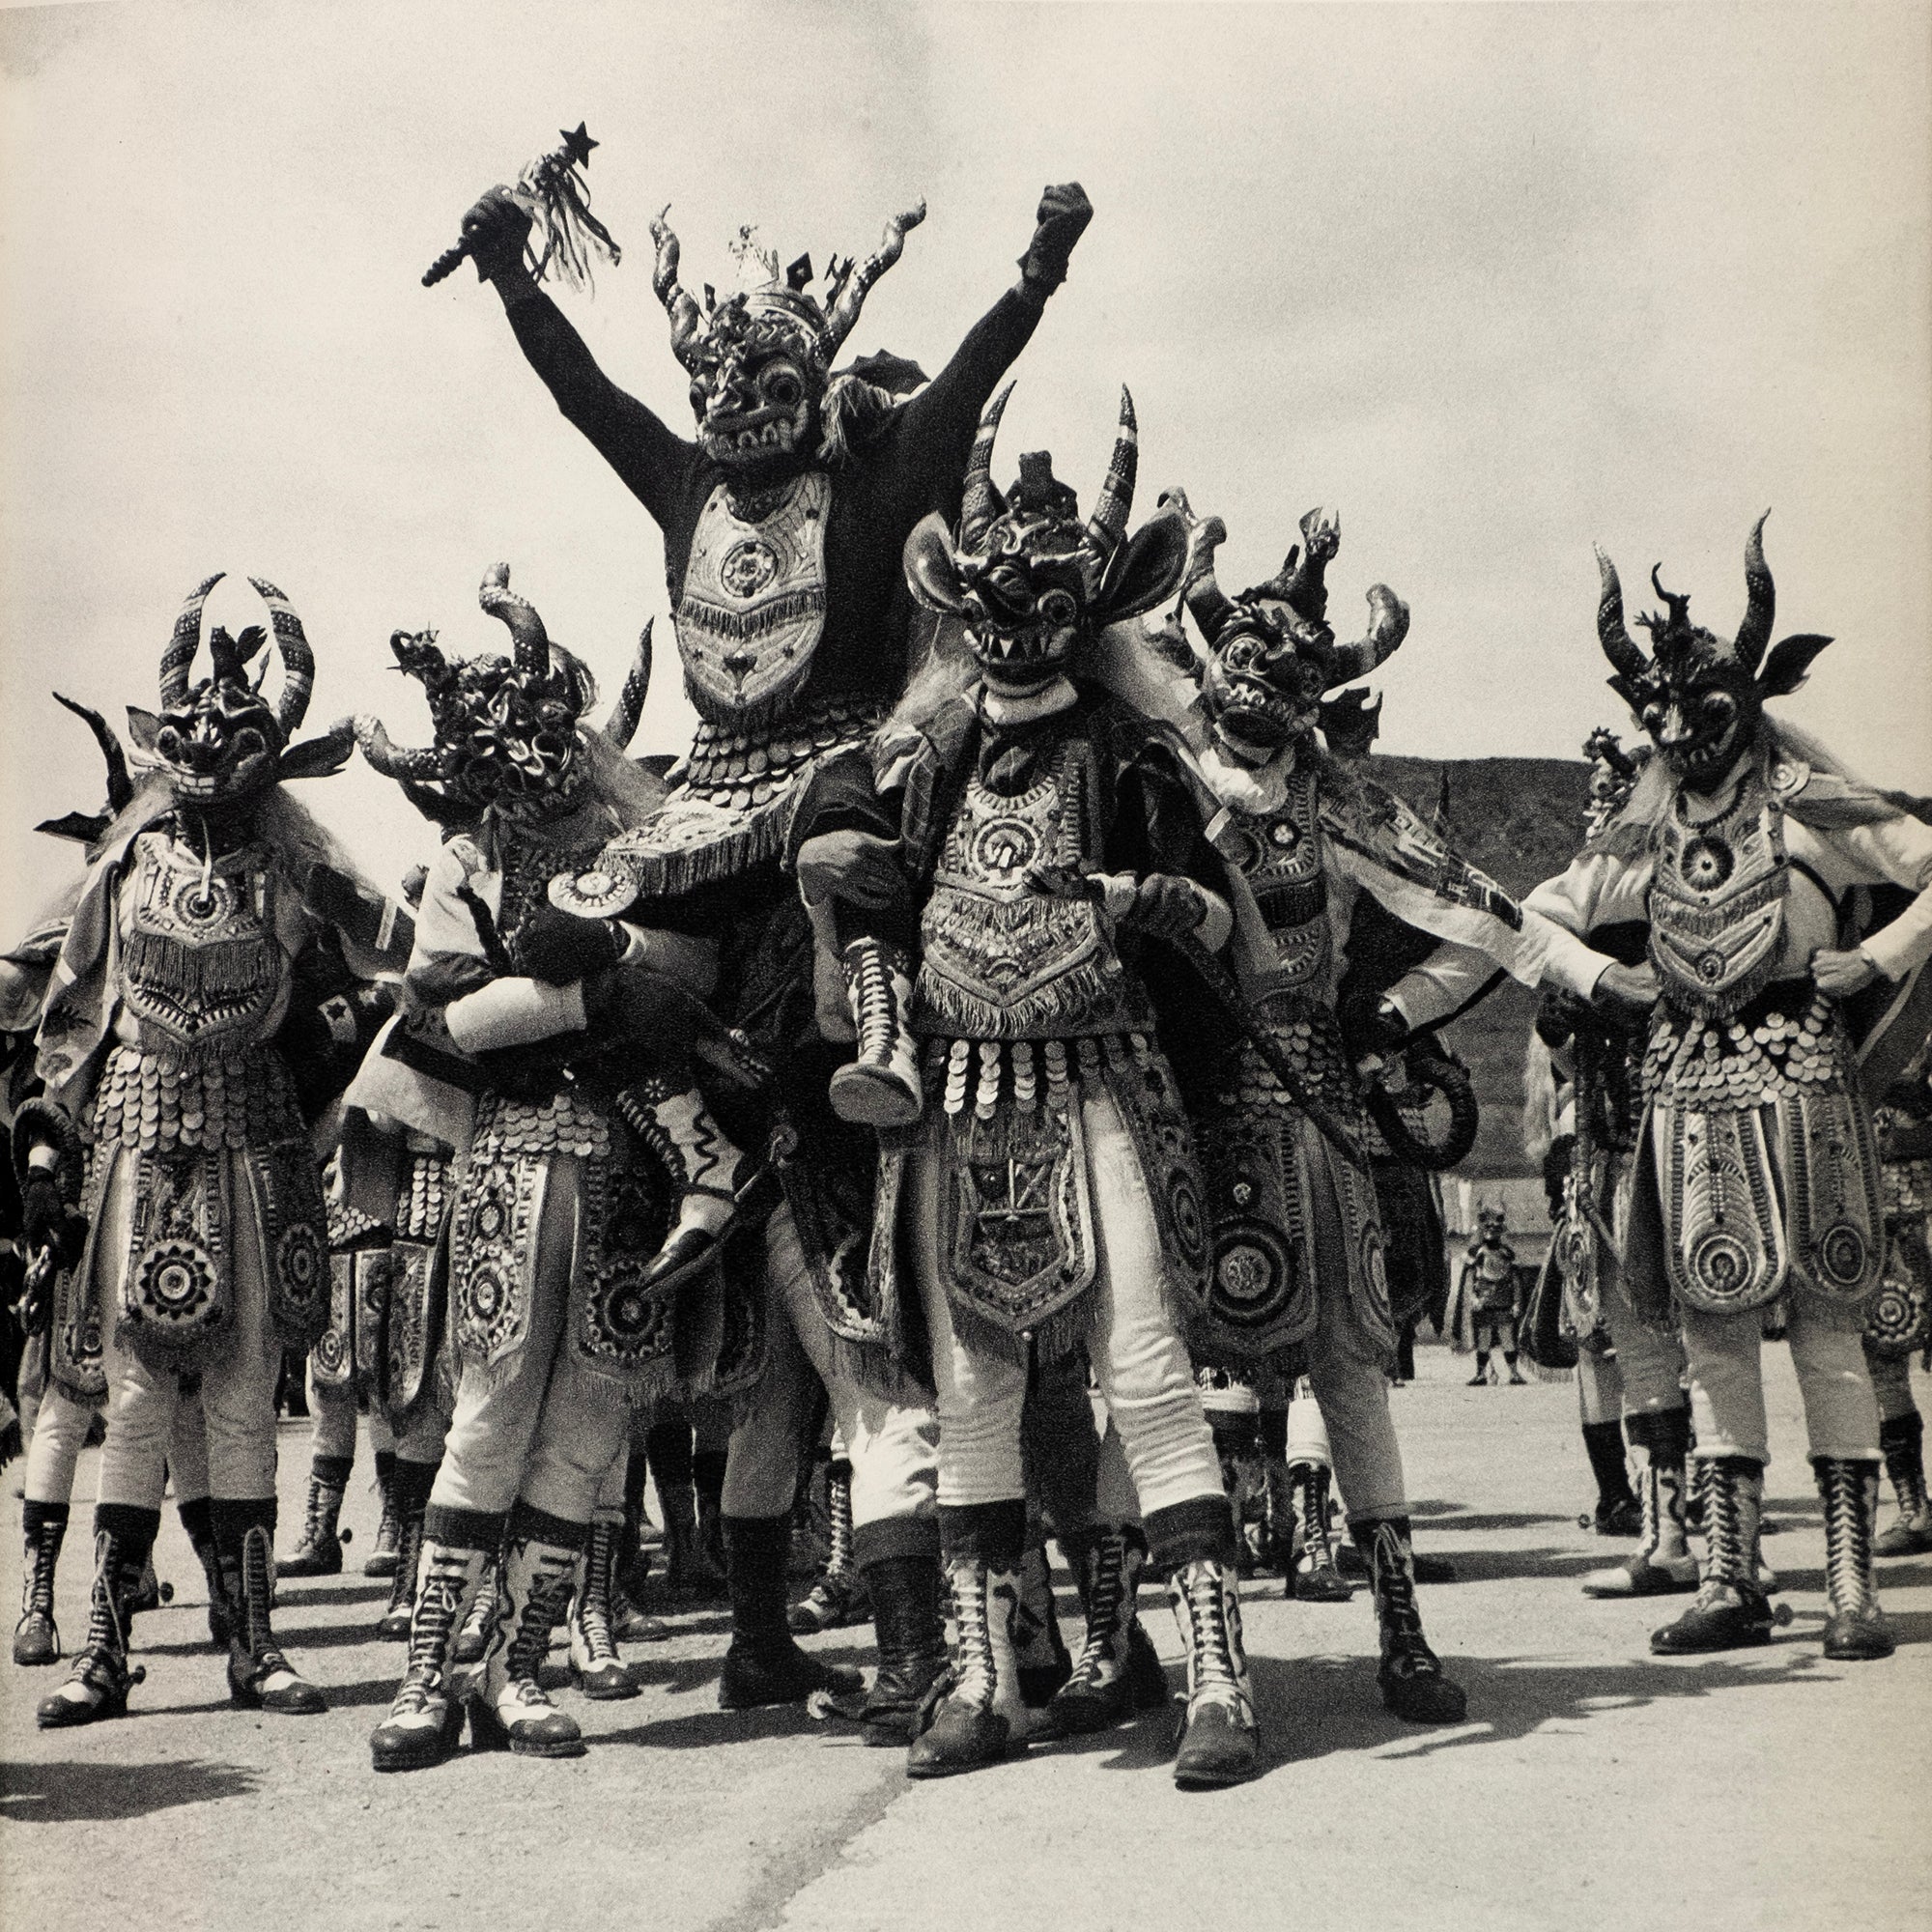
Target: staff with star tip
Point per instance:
(553, 193)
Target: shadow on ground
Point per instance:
(77, 1791)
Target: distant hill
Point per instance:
(1520, 820)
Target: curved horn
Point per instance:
(1678, 606)
(120, 788)
(1108, 524)
(298, 660)
(1761, 601)
(842, 316)
(1388, 626)
(1626, 659)
(1210, 605)
(678, 306)
(185, 642)
(520, 617)
(976, 504)
(621, 726)
(406, 762)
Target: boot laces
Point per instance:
(874, 1015)
(1211, 1672)
(435, 1619)
(543, 1608)
(257, 1588)
(1848, 1553)
(838, 1501)
(1106, 1594)
(408, 1559)
(593, 1600)
(1726, 1540)
(36, 1597)
(978, 1675)
(1310, 1489)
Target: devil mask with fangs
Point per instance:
(1027, 579)
(220, 742)
(1701, 696)
(1272, 653)
(506, 729)
(760, 361)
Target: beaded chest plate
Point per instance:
(1279, 855)
(1716, 902)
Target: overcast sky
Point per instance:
(1495, 281)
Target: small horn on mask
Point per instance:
(1388, 626)
(407, 762)
(1108, 524)
(298, 660)
(678, 306)
(183, 642)
(1677, 607)
(518, 616)
(621, 726)
(1761, 601)
(120, 787)
(1210, 605)
(976, 509)
(842, 315)
(1626, 659)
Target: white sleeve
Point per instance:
(1899, 852)
(513, 1012)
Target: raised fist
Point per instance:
(558, 946)
(496, 229)
(1166, 905)
(1063, 218)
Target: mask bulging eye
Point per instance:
(783, 388)
(1057, 610)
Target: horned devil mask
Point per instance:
(1027, 579)
(760, 361)
(1699, 695)
(1270, 651)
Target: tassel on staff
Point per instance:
(564, 234)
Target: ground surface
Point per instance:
(1595, 1786)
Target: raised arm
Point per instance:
(649, 458)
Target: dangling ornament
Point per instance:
(564, 234)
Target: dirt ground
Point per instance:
(1593, 1786)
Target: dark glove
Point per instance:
(856, 868)
(496, 229)
(1165, 905)
(561, 947)
(1556, 1017)
(639, 1004)
(1063, 214)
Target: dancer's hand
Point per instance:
(855, 867)
(1166, 905)
(496, 228)
(1842, 973)
(1627, 989)
(1063, 218)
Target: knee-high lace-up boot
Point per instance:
(318, 1550)
(702, 1163)
(1220, 1741)
(37, 1636)
(260, 1677)
(538, 1575)
(407, 1499)
(1117, 1672)
(1662, 1564)
(982, 1717)
(838, 1594)
(1411, 1675)
(425, 1722)
(197, 1520)
(99, 1679)
(1730, 1612)
(595, 1666)
(387, 1556)
(1856, 1630)
(1313, 1577)
(1901, 1439)
(880, 1087)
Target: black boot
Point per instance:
(1411, 1675)
(37, 1636)
(260, 1677)
(763, 1664)
(982, 1716)
(195, 1520)
(1730, 1612)
(707, 1567)
(1618, 1513)
(406, 1498)
(318, 1553)
(595, 1664)
(1856, 1630)
(838, 1594)
(1901, 1439)
(1313, 1577)
(99, 1680)
(911, 1635)
(426, 1720)
(1481, 1379)
(1109, 1681)
(387, 1554)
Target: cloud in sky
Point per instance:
(1497, 282)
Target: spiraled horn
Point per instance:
(520, 617)
(407, 762)
(678, 306)
(1761, 604)
(1619, 646)
(1108, 524)
(976, 507)
(842, 316)
(120, 788)
(1388, 626)
(298, 660)
(185, 642)
(621, 726)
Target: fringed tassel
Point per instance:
(668, 874)
(1049, 1340)
(572, 236)
(950, 1008)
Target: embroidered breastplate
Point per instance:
(1716, 902)
(201, 965)
(1002, 959)
(751, 606)
(1279, 854)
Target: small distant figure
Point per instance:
(1490, 1292)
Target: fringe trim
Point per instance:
(668, 874)
(1048, 1340)
(950, 1008)
(875, 1368)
